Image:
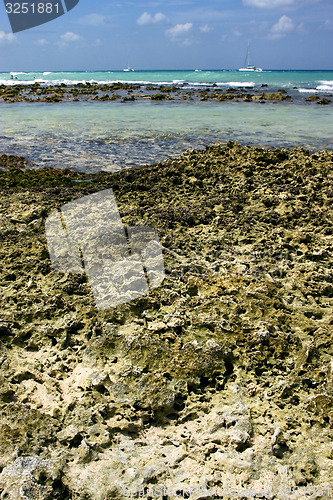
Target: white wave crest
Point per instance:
(237, 84)
(311, 91)
(325, 88)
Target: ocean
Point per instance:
(303, 81)
(92, 136)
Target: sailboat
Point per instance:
(128, 68)
(249, 66)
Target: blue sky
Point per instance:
(175, 34)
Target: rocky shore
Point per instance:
(219, 383)
(126, 92)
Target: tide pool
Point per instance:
(94, 136)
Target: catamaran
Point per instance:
(249, 66)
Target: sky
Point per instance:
(174, 34)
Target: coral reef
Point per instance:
(122, 92)
(217, 384)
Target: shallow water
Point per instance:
(91, 136)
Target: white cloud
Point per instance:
(41, 42)
(70, 37)
(6, 38)
(205, 28)
(328, 24)
(284, 26)
(67, 38)
(147, 18)
(178, 31)
(93, 20)
(257, 26)
(301, 28)
(269, 4)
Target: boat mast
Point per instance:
(248, 54)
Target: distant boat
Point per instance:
(128, 69)
(249, 66)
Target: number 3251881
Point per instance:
(32, 8)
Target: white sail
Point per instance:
(248, 66)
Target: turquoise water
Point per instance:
(93, 136)
(321, 81)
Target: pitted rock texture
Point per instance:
(220, 379)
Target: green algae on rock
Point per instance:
(220, 377)
(36, 92)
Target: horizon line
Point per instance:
(156, 69)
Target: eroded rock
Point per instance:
(221, 376)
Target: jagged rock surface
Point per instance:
(220, 378)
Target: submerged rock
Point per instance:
(101, 92)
